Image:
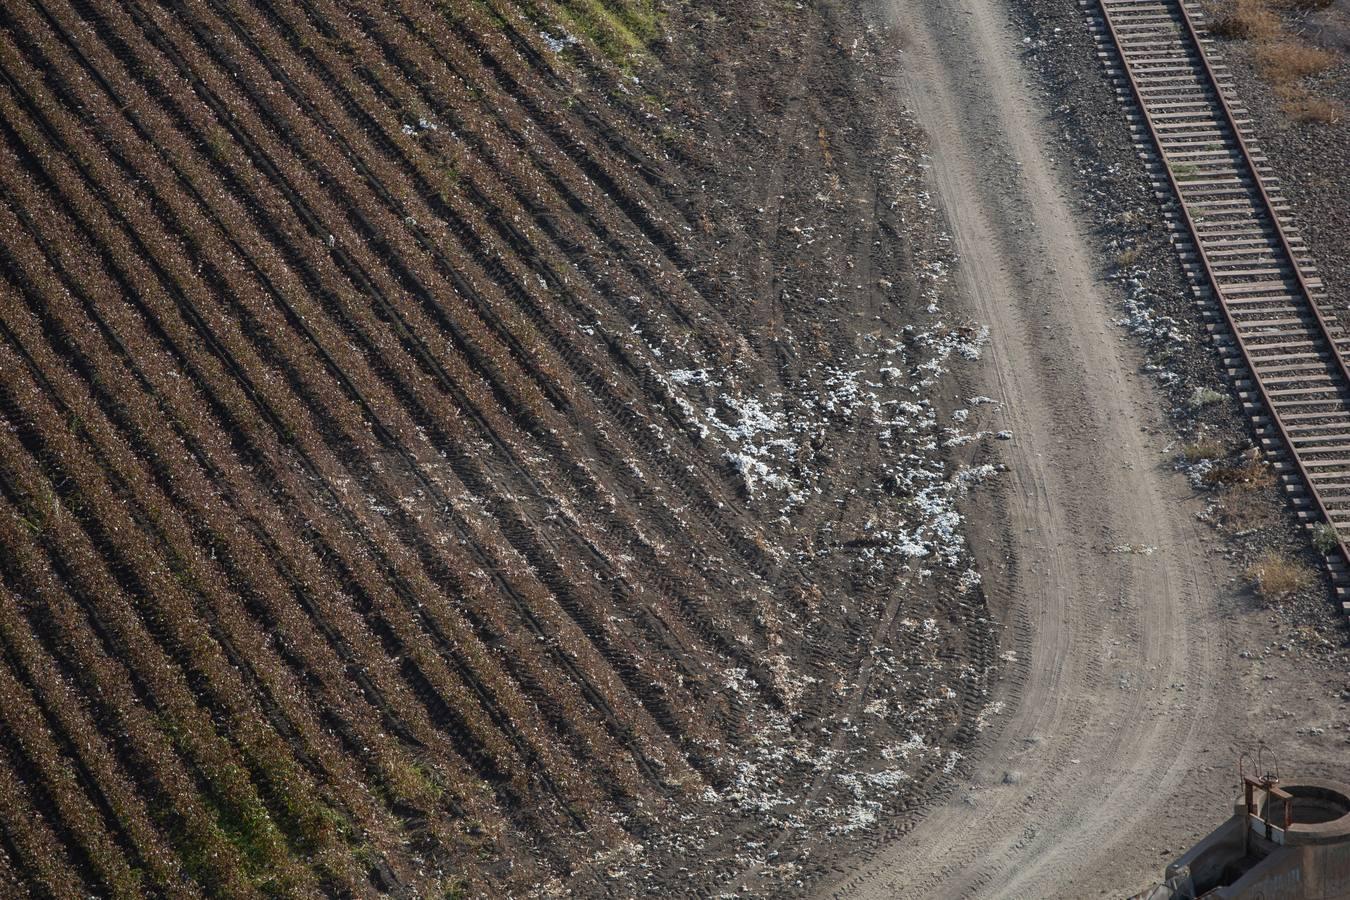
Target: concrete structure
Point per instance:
(1286, 840)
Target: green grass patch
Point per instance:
(622, 31)
(1203, 397)
(1325, 538)
(449, 182)
(457, 11)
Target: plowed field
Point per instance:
(466, 447)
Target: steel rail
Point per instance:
(1243, 150)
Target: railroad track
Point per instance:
(1249, 269)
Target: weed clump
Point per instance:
(1246, 20)
(1325, 538)
(1205, 448)
(1287, 60)
(1203, 397)
(1275, 577)
(1303, 107)
(1252, 474)
(1283, 58)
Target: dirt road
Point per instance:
(1111, 599)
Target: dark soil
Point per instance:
(493, 440)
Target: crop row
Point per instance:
(68, 181)
(498, 202)
(432, 423)
(320, 453)
(426, 400)
(485, 176)
(219, 537)
(533, 233)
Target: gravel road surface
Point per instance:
(1112, 600)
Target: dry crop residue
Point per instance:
(469, 448)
